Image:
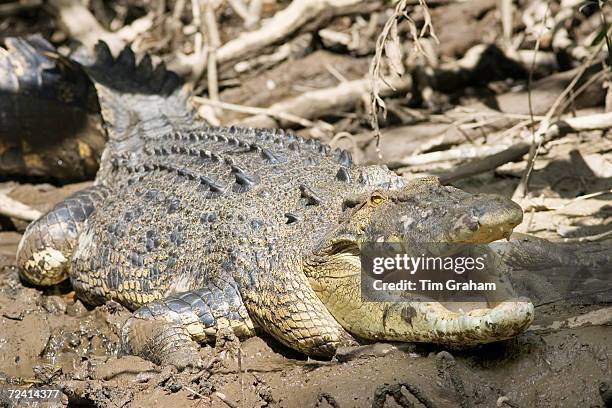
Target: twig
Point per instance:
(599, 76)
(217, 394)
(284, 23)
(198, 60)
(388, 41)
(243, 12)
(523, 186)
(294, 47)
(194, 392)
(506, 10)
(512, 153)
(225, 399)
(252, 110)
(587, 196)
(335, 73)
(599, 317)
(343, 96)
(255, 7)
(532, 69)
(78, 22)
(516, 151)
(13, 208)
(459, 153)
(314, 104)
(214, 41)
(590, 238)
(205, 370)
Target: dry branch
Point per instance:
(13, 208)
(283, 24)
(78, 22)
(556, 130)
(599, 317)
(459, 153)
(251, 110)
(314, 104)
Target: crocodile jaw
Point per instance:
(422, 212)
(411, 321)
(433, 323)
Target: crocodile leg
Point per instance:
(45, 250)
(288, 309)
(166, 331)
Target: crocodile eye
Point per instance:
(376, 198)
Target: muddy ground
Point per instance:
(50, 337)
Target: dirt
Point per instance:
(50, 337)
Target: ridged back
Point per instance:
(138, 101)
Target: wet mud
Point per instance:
(48, 337)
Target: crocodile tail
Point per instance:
(137, 100)
(49, 114)
(131, 92)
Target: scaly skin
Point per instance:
(203, 229)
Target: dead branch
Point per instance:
(459, 153)
(284, 23)
(243, 11)
(523, 186)
(294, 47)
(225, 399)
(473, 121)
(251, 110)
(518, 150)
(78, 22)
(13, 208)
(344, 96)
(599, 317)
(214, 41)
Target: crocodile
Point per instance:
(201, 230)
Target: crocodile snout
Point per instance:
(486, 218)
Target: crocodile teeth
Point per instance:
(432, 322)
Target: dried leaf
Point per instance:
(393, 50)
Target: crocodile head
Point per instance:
(421, 213)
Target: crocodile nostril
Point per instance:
(473, 224)
(477, 212)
